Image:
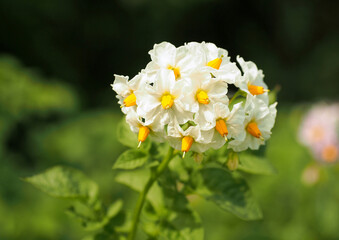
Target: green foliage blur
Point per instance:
(57, 108)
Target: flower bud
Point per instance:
(232, 160)
(198, 157)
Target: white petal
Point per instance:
(220, 110)
(228, 72)
(120, 85)
(165, 80)
(235, 123)
(217, 141)
(206, 136)
(146, 102)
(218, 89)
(205, 117)
(133, 120)
(267, 123)
(190, 57)
(248, 67)
(180, 114)
(173, 129)
(163, 54)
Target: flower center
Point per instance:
(317, 134)
(221, 127)
(252, 128)
(256, 90)
(202, 97)
(167, 101)
(176, 71)
(330, 153)
(215, 63)
(130, 100)
(186, 144)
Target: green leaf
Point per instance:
(125, 135)
(255, 164)
(129, 138)
(114, 208)
(184, 226)
(65, 182)
(92, 219)
(177, 166)
(136, 180)
(131, 159)
(229, 193)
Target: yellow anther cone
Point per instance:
(202, 97)
(167, 101)
(130, 100)
(143, 133)
(186, 144)
(221, 127)
(256, 90)
(176, 71)
(252, 128)
(215, 63)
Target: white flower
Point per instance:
(190, 139)
(219, 64)
(137, 125)
(181, 96)
(125, 90)
(252, 81)
(182, 61)
(163, 100)
(229, 124)
(319, 125)
(319, 131)
(259, 120)
(205, 91)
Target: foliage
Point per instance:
(88, 143)
(23, 92)
(167, 214)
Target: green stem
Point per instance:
(239, 92)
(142, 197)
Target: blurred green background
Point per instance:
(57, 59)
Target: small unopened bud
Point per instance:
(198, 157)
(232, 160)
(310, 175)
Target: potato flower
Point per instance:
(319, 132)
(182, 97)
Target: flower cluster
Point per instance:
(319, 131)
(181, 97)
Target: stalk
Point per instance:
(238, 93)
(142, 197)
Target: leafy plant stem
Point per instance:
(142, 197)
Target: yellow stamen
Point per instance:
(257, 90)
(215, 63)
(176, 71)
(143, 133)
(186, 144)
(252, 128)
(130, 100)
(221, 127)
(330, 153)
(202, 97)
(167, 101)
